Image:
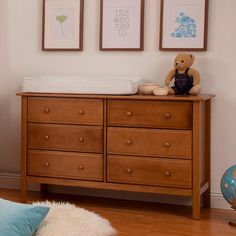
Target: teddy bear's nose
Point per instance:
(176, 63)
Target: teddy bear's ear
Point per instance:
(192, 57)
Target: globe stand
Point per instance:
(233, 222)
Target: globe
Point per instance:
(228, 186)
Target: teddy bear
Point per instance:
(187, 80)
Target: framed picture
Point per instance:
(122, 25)
(183, 25)
(63, 25)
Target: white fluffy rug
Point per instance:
(65, 219)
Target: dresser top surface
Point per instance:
(200, 97)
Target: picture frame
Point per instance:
(183, 25)
(122, 25)
(62, 25)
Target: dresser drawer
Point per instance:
(65, 165)
(65, 110)
(65, 137)
(150, 171)
(150, 142)
(162, 114)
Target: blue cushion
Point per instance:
(20, 219)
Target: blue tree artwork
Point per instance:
(186, 27)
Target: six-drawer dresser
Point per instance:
(150, 144)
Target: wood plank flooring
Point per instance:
(132, 218)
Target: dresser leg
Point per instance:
(24, 189)
(207, 199)
(196, 195)
(43, 188)
(24, 140)
(196, 208)
(207, 194)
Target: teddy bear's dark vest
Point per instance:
(183, 82)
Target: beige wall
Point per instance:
(20, 55)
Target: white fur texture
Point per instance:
(66, 219)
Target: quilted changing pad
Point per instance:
(82, 84)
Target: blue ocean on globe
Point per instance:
(228, 186)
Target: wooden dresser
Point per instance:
(151, 144)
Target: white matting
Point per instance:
(66, 219)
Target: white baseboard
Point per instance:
(12, 181)
(9, 180)
(218, 201)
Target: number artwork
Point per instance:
(122, 21)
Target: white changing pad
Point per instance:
(82, 84)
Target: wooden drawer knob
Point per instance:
(81, 112)
(81, 167)
(167, 115)
(129, 113)
(167, 173)
(81, 139)
(47, 110)
(46, 137)
(46, 164)
(167, 144)
(129, 142)
(129, 171)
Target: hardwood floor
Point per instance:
(132, 218)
